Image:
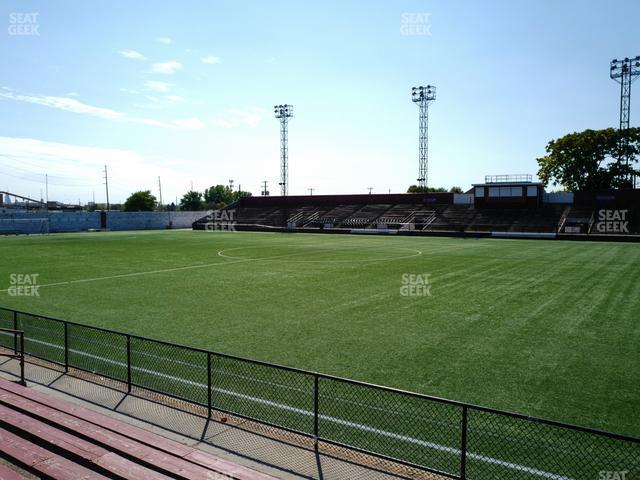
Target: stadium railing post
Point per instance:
(22, 381)
(128, 363)
(66, 347)
(463, 446)
(316, 381)
(209, 383)
(15, 337)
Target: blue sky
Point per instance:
(185, 91)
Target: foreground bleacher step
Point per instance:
(42, 462)
(7, 474)
(138, 445)
(73, 448)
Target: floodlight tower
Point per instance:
(283, 113)
(625, 72)
(423, 96)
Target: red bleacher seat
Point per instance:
(42, 430)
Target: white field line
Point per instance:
(234, 260)
(339, 421)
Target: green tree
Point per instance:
(218, 194)
(417, 189)
(456, 189)
(141, 201)
(191, 200)
(240, 194)
(591, 160)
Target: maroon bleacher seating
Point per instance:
(57, 439)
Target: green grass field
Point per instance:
(546, 328)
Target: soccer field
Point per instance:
(545, 328)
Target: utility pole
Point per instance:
(311, 192)
(264, 192)
(370, 190)
(106, 185)
(160, 189)
(46, 189)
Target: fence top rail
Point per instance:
(11, 330)
(423, 396)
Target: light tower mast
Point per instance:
(625, 72)
(423, 96)
(283, 113)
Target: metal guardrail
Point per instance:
(508, 178)
(449, 438)
(18, 339)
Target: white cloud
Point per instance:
(132, 54)
(173, 98)
(72, 105)
(158, 86)
(64, 103)
(81, 169)
(249, 118)
(237, 118)
(211, 60)
(71, 94)
(169, 67)
(165, 40)
(190, 123)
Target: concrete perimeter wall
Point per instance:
(27, 222)
(151, 220)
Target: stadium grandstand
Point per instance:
(511, 205)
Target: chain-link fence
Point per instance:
(449, 438)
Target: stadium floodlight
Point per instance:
(283, 113)
(625, 72)
(423, 96)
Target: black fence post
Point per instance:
(128, 363)
(316, 415)
(463, 446)
(15, 337)
(66, 347)
(209, 383)
(22, 381)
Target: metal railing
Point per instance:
(450, 438)
(508, 178)
(18, 340)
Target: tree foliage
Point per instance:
(191, 200)
(417, 189)
(219, 196)
(142, 201)
(591, 160)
